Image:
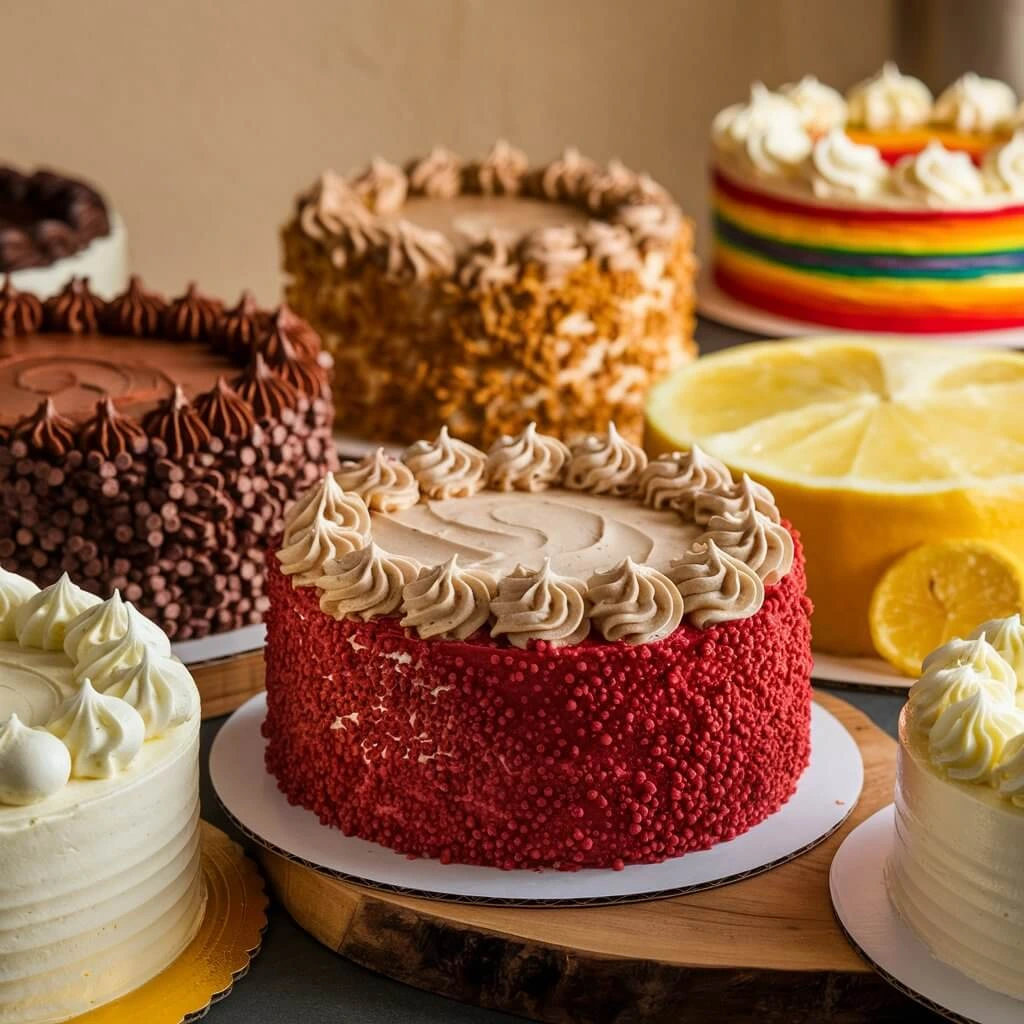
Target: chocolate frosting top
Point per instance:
(267, 393)
(74, 310)
(20, 312)
(225, 412)
(110, 433)
(306, 375)
(135, 312)
(46, 430)
(178, 424)
(193, 315)
(242, 325)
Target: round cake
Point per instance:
(485, 294)
(54, 228)
(101, 886)
(884, 211)
(540, 657)
(955, 873)
(151, 446)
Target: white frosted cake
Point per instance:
(956, 875)
(100, 884)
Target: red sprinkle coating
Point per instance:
(598, 755)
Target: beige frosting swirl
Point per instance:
(821, 107)
(382, 187)
(605, 465)
(567, 176)
(975, 104)
(970, 736)
(447, 467)
(540, 605)
(838, 167)
(1009, 774)
(634, 603)
(160, 688)
(754, 539)
(1002, 169)
(889, 99)
(489, 264)
(612, 186)
(734, 125)
(937, 176)
(715, 587)
(735, 499)
(42, 620)
(15, 590)
(776, 150)
(529, 461)
(365, 583)
(1007, 637)
(674, 480)
(611, 246)
(385, 484)
(438, 175)
(557, 251)
(331, 211)
(650, 224)
(448, 600)
(415, 253)
(501, 171)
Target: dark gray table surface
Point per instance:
(295, 980)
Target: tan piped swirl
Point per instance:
(438, 175)
(448, 600)
(331, 210)
(674, 480)
(557, 251)
(754, 539)
(634, 603)
(365, 583)
(566, 177)
(413, 253)
(611, 187)
(611, 246)
(732, 499)
(491, 263)
(540, 605)
(500, 173)
(446, 468)
(650, 224)
(605, 465)
(385, 484)
(527, 462)
(324, 524)
(382, 187)
(715, 587)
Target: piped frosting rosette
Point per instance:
(967, 708)
(126, 688)
(731, 545)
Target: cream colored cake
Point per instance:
(956, 874)
(100, 886)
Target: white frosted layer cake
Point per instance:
(956, 875)
(100, 887)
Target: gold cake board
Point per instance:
(767, 948)
(228, 938)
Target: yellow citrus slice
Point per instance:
(872, 448)
(940, 591)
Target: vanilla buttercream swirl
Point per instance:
(975, 104)
(937, 176)
(889, 99)
(100, 660)
(956, 671)
(414, 253)
(1002, 169)
(734, 498)
(384, 483)
(634, 603)
(557, 251)
(33, 764)
(611, 246)
(438, 175)
(448, 600)
(821, 107)
(159, 687)
(754, 539)
(15, 590)
(490, 263)
(529, 461)
(970, 736)
(540, 605)
(382, 187)
(108, 621)
(776, 150)
(673, 480)
(605, 464)
(1007, 637)
(838, 168)
(42, 620)
(714, 586)
(764, 110)
(446, 467)
(365, 583)
(103, 734)
(1009, 773)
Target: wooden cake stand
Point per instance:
(227, 683)
(767, 948)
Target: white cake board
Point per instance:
(716, 305)
(826, 795)
(104, 261)
(860, 673)
(872, 925)
(221, 645)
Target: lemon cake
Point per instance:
(956, 873)
(885, 210)
(99, 801)
(874, 448)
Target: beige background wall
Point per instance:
(202, 119)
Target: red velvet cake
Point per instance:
(539, 657)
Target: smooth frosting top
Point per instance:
(539, 541)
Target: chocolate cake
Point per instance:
(150, 446)
(485, 295)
